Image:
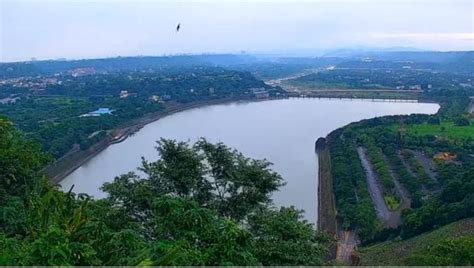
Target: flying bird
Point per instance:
(178, 27)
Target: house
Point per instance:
(155, 98)
(123, 94)
(260, 93)
(98, 112)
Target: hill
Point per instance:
(452, 244)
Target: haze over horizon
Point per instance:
(105, 28)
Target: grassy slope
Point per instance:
(450, 130)
(396, 252)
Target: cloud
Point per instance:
(100, 28)
(424, 36)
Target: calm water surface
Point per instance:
(282, 131)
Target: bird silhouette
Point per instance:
(178, 27)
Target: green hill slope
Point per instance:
(452, 244)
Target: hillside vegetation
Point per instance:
(200, 204)
(452, 244)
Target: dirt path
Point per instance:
(401, 190)
(427, 164)
(374, 187)
(406, 165)
(391, 219)
(346, 246)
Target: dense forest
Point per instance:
(207, 204)
(400, 148)
(49, 109)
(393, 78)
(200, 204)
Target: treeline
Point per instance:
(353, 201)
(434, 202)
(50, 67)
(382, 169)
(56, 123)
(200, 204)
(367, 78)
(51, 116)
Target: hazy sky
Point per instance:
(103, 28)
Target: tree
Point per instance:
(462, 121)
(284, 238)
(20, 161)
(192, 207)
(211, 174)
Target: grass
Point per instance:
(446, 129)
(398, 252)
(392, 202)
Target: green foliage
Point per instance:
(280, 240)
(362, 77)
(20, 161)
(449, 245)
(433, 202)
(462, 121)
(201, 204)
(201, 235)
(382, 169)
(353, 200)
(446, 129)
(52, 115)
(446, 253)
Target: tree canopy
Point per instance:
(199, 204)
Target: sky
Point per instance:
(74, 29)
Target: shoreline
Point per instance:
(68, 163)
(327, 213)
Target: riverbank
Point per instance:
(326, 203)
(393, 95)
(65, 165)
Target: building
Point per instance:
(82, 72)
(123, 94)
(260, 93)
(155, 98)
(98, 112)
(415, 87)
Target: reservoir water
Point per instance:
(282, 131)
